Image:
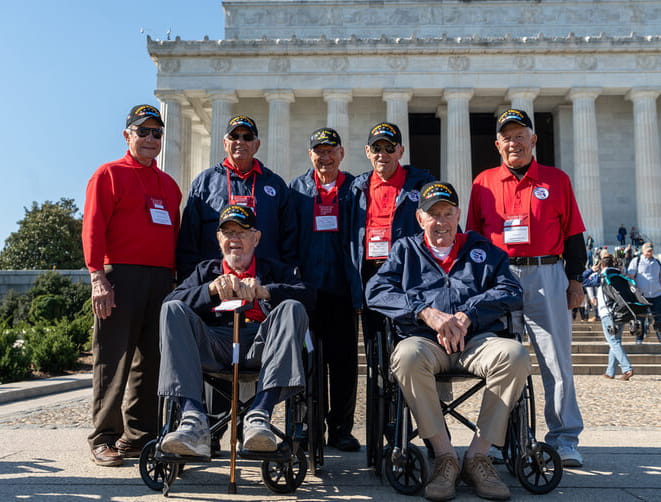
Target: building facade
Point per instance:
(588, 71)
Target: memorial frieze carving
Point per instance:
(586, 62)
(339, 64)
(221, 64)
(397, 63)
(458, 63)
(279, 65)
(525, 62)
(647, 62)
(170, 65)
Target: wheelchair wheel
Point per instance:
(541, 470)
(157, 475)
(285, 477)
(371, 397)
(406, 475)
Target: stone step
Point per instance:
(602, 359)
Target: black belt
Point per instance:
(522, 261)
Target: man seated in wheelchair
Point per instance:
(446, 292)
(196, 339)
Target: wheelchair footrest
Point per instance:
(173, 458)
(282, 454)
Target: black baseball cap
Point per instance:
(437, 191)
(385, 130)
(325, 136)
(139, 114)
(241, 121)
(513, 115)
(241, 215)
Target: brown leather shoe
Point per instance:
(607, 376)
(106, 455)
(627, 375)
(479, 473)
(128, 449)
(444, 479)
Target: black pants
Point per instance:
(126, 356)
(334, 321)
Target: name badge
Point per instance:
(516, 231)
(325, 218)
(245, 201)
(378, 243)
(158, 213)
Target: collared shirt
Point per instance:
(447, 262)
(256, 168)
(329, 196)
(382, 196)
(544, 195)
(647, 272)
(255, 313)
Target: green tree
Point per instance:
(48, 236)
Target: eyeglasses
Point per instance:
(245, 137)
(143, 132)
(387, 148)
(236, 234)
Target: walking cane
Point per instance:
(235, 401)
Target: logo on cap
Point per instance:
(513, 115)
(435, 192)
(241, 121)
(240, 215)
(325, 136)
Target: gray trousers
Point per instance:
(503, 362)
(190, 347)
(548, 323)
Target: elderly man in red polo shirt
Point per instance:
(529, 210)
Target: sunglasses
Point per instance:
(143, 132)
(386, 148)
(245, 137)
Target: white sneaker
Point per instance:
(570, 456)
(257, 433)
(191, 437)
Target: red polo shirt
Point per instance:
(329, 196)
(255, 313)
(381, 198)
(254, 169)
(448, 262)
(544, 195)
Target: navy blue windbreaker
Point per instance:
(281, 280)
(479, 284)
(404, 222)
(322, 256)
(208, 195)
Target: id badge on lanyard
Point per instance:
(516, 229)
(158, 212)
(378, 242)
(326, 217)
(245, 201)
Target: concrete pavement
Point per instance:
(39, 463)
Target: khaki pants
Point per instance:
(503, 362)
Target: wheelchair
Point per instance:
(390, 429)
(283, 470)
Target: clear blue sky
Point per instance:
(70, 70)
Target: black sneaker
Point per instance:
(344, 442)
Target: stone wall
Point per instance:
(22, 280)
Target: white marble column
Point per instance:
(170, 159)
(648, 165)
(459, 166)
(523, 98)
(278, 140)
(221, 111)
(587, 184)
(442, 114)
(397, 112)
(186, 153)
(337, 114)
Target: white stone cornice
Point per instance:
(286, 95)
(397, 95)
(171, 95)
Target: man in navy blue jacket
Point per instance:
(446, 293)
(195, 338)
(239, 179)
(321, 199)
